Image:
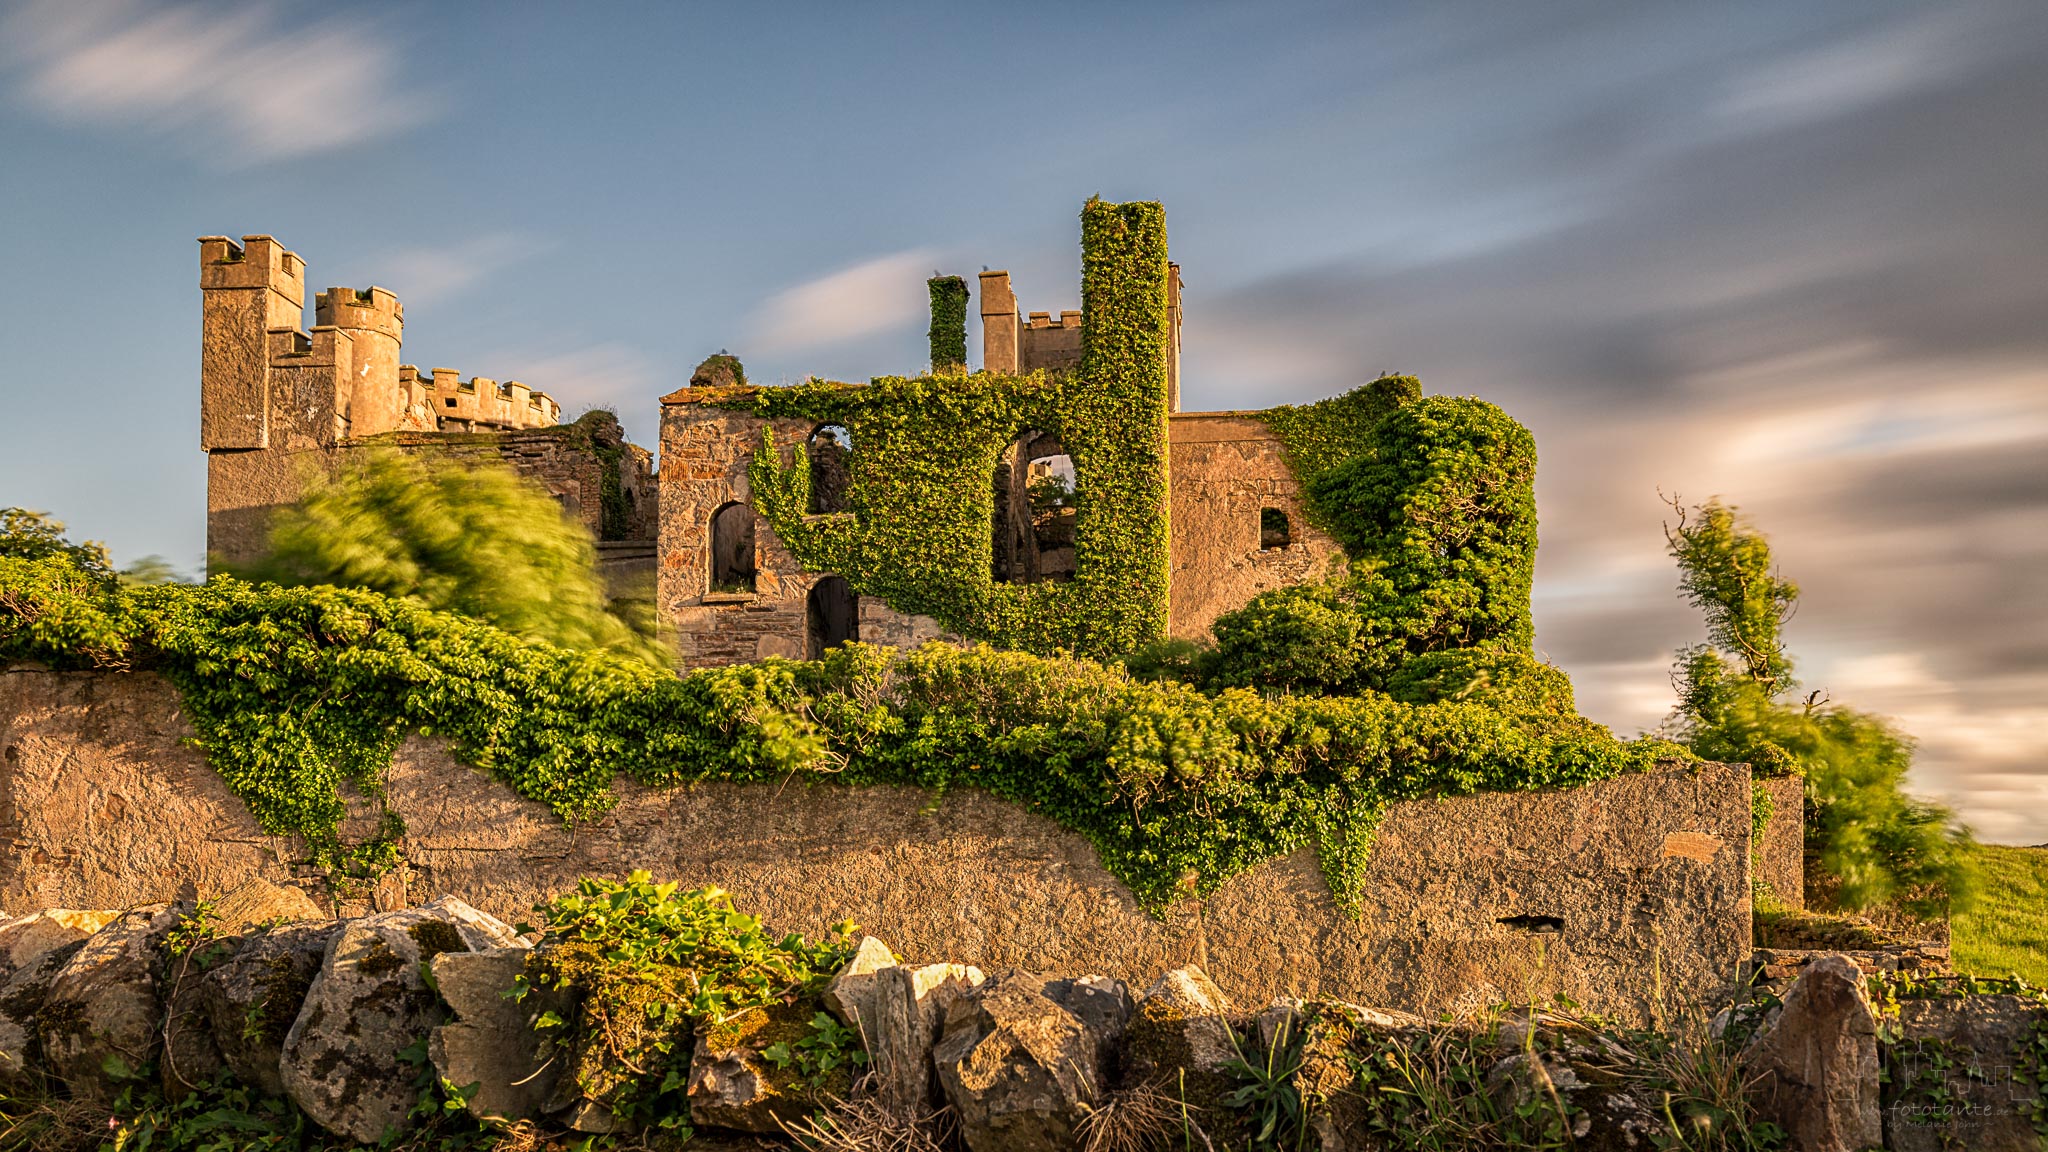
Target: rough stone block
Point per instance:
(344, 1060)
(100, 1019)
(1815, 1060)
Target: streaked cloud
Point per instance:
(1823, 303)
(238, 80)
(865, 300)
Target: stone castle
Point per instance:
(281, 404)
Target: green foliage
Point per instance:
(1434, 501)
(460, 536)
(828, 1047)
(2007, 935)
(1268, 1092)
(1510, 681)
(1876, 843)
(721, 369)
(1442, 508)
(1725, 571)
(949, 322)
(1320, 436)
(1305, 638)
(919, 501)
(151, 569)
(26, 535)
(1446, 1087)
(653, 968)
(298, 693)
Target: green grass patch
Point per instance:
(2006, 932)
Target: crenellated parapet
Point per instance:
(479, 404)
(1041, 341)
(271, 390)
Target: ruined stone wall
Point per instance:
(280, 407)
(1781, 857)
(705, 452)
(1225, 468)
(1630, 896)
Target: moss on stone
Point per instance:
(378, 959)
(435, 937)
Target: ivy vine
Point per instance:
(300, 695)
(948, 333)
(919, 498)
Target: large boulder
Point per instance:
(352, 1059)
(911, 1006)
(191, 1053)
(33, 949)
(1814, 1060)
(734, 1084)
(1020, 1069)
(508, 1068)
(100, 1021)
(252, 996)
(1951, 1075)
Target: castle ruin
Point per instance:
(280, 405)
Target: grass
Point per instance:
(2007, 932)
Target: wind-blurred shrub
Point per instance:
(1876, 842)
(471, 537)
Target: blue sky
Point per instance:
(1795, 255)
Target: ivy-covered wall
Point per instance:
(919, 498)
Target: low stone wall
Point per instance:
(1781, 855)
(1628, 896)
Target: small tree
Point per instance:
(1878, 843)
(456, 536)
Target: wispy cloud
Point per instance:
(871, 297)
(425, 274)
(238, 80)
(1827, 312)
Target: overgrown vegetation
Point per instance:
(928, 446)
(457, 535)
(1876, 843)
(653, 968)
(1433, 499)
(300, 693)
(1505, 1079)
(948, 333)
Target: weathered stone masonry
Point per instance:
(280, 406)
(1629, 896)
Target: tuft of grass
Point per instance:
(2006, 933)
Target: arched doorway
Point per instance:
(1035, 510)
(832, 615)
(732, 549)
(828, 449)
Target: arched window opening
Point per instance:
(732, 549)
(828, 449)
(832, 615)
(1273, 530)
(1035, 511)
